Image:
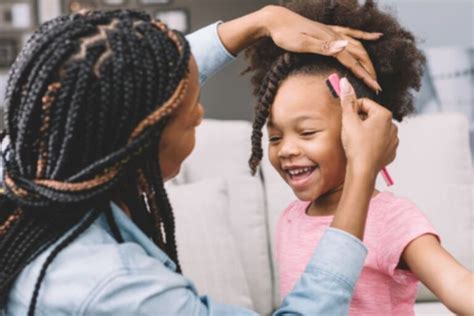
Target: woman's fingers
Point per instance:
(357, 69)
(371, 142)
(372, 108)
(368, 36)
(348, 97)
(305, 43)
(295, 33)
(378, 117)
(358, 51)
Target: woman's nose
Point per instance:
(200, 113)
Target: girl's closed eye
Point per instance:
(309, 132)
(274, 139)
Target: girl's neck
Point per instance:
(326, 204)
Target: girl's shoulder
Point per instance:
(386, 203)
(390, 213)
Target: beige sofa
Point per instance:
(226, 218)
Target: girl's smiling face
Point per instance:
(304, 130)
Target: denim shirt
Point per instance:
(96, 275)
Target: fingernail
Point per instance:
(337, 46)
(346, 87)
(379, 88)
(379, 34)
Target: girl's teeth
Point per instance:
(299, 171)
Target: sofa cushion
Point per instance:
(433, 169)
(431, 309)
(207, 250)
(249, 220)
(222, 149)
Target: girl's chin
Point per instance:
(306, 196)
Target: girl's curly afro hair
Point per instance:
(398, 62)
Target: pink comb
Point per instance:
(333, 84)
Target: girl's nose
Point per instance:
(288, 149)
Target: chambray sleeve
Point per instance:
(326, 286)
(145, 286)
(210, 54)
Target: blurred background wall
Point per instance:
(444, 27)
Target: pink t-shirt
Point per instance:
(382, 289)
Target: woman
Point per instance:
(101, 110)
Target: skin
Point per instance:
(304, 129)
(179, 136)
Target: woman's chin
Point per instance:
(171, 175)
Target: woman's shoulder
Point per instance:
(83, 266)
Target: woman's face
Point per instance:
(178, 137)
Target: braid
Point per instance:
(278, 71)
(59, 114)
(81, 87)
(87, 101)
(167, 216)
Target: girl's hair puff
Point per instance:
(397, 61)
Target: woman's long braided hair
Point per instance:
(87, 100)
(399, 64)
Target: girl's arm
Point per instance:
(451, 282)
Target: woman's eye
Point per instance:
(309, 133)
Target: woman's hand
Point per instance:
(370, 144)
(295, 33)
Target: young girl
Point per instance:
(304, 131)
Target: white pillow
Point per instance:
(433, 169)
(222, 149)
(206, 247)
(249, 225)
